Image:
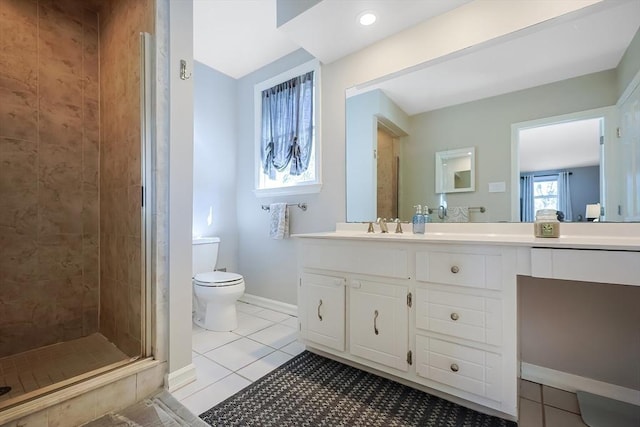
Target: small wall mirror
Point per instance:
(455, 170)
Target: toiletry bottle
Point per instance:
(425, 212)
(418, 221)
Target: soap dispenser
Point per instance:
(425, 213)
(418, 221)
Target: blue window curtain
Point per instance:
(526, 195)
(287, 126)
(564, 195)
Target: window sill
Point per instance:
(288, 191)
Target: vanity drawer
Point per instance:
(465, 368)
(364, 258)
(464, 316)
(462, 269)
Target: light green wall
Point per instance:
(486, 124)
(629, 64)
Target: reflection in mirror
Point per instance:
(455, 170)
(586, 60)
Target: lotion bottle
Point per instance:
(418, 221)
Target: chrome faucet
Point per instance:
(398, 225)
(382, 222)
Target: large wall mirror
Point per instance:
(581, 67)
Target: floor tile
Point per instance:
(294, 348)
(243, 307)
(263, 366)
(272, 315)
(239, 353)
(531, 391)
(530, 414)
(208, 340)
(249, 324)
(292, 321)
(560, 399)
(215, 393)
(207, 373)
(195, 329)
(555, 417)
(275, 336)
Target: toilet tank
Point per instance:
(205, 254)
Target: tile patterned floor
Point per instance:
(226, 362)
(41, 367)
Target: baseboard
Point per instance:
(180, 378)
(573, 383)
(271, 304)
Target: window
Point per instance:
(287, 132)
(545, 193)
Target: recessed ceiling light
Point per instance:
(367, 18)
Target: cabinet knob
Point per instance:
(454, 316)
(455, 269)
(356, 284)
(454, 367)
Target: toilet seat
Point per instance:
(217, 279)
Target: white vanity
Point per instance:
(439, 311)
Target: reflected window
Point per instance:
(545, 193)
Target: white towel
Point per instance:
(458, 214)
(279, 222)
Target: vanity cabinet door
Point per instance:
(322, 299)
(379, 322)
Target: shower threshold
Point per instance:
(37, 372)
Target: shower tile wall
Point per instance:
(49, 173)
(121, 21)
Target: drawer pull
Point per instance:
(319, 315)
(375, 322)
(455, 269)
(454, 367)
(454, 316)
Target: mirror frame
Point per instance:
(442, 156)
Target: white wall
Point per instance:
(363, 113)
(214, 161)
(180, 186)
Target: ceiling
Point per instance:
(571, 145)
(237, 37)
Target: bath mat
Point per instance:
(311, 390)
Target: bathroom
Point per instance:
(223, 201)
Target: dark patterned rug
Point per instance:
(311, 390)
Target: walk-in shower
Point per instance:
(73, 136)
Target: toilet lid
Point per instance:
(218, 278)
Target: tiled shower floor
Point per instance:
(34, 369)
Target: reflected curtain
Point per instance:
(564, 195)
(287, 126)
(526, 195)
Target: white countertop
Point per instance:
(604, 236)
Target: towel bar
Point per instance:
(302, 206)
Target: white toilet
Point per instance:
(214, 292)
